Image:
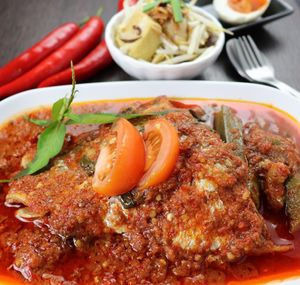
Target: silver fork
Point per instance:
(251, 64)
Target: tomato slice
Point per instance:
(121, 161)
(181, 105)
(162, 150)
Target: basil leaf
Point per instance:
(58, 109)
(50, 143)
(41, 123)
(133, 116)
(97, 118)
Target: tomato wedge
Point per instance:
(121, 161)
(181, 105)
(162, 150)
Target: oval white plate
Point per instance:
(143, 89)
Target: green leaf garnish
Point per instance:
(49, 145)
(103, 118)
(41, 123)
(4, 180)
(58, 109)
(51, 140)
(98, 118)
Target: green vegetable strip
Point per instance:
(292, 206)
(148, 7)
(230, 128)
(176, 7)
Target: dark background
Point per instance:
(23, 22)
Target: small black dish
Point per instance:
(276, 10)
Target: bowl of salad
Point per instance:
(164, 39)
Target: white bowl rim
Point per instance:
(139, 63)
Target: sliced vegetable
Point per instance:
(149, 6)
(181, 105)
(139, 36)
(121, 161)
(175, 4)
(293, 202)
(162, 150)
(230, 128)
(176, 7)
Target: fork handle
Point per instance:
(284, 87)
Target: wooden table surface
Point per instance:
(22, 23)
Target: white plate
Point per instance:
(143, 89)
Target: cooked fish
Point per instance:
(203, 212)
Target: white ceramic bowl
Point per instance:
(150, 71)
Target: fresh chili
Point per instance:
(74, 50)
(95, 61)
(130, 3)
(35, 54)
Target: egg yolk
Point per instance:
(246, 6)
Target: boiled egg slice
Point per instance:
(240, 11)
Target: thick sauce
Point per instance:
(261, 269)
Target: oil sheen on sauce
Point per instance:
(269, 267)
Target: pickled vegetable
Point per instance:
(139, 36)
(293, 201)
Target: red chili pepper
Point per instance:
(130, 3)
(95, 61)
(77, 47)
(32, 56)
